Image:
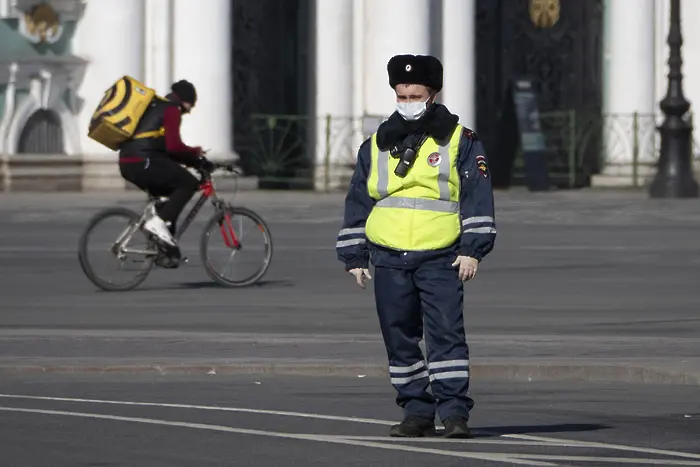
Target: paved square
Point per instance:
(583, 287)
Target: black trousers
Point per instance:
(425, 297)
(161, 176)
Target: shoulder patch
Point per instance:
(482, 165)
(469, 134)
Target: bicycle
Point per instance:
(157, 254)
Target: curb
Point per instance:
(487, 372)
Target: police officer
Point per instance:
(420, 205)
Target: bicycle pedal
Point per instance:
(167, 262)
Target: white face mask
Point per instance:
(412, 110)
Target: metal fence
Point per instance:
(292, 148)
(615, 143)
(287, 147)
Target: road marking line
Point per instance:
(206, 407)
(476, 440)
(371, 421)
(616, 460)
(616, 447)
(305, 437)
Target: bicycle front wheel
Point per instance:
(114, 233)
(236, 247)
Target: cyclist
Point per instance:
(152, 159)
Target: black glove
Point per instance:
(205, 165)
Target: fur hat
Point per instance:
(415, 69)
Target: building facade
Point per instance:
(39, 75)
(292, 88)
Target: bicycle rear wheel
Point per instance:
(122, 244)
(230, 234)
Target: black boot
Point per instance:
(456, 427)
(413, 427)
(169, 257)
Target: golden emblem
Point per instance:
(545, 13)
(41, 24)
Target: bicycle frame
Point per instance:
(208, 192)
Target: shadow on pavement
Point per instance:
(487, 432)
(213, 285)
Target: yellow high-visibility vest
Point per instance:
(421, 210)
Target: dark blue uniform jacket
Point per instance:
(476, 210)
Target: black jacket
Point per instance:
(152, 120)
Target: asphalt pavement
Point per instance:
(82, 420)
(582, 285)
(583, 325)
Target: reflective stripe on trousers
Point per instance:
(450, 369)
(406, 374)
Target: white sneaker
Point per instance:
(158, 227)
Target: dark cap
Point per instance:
(415, 69)
(185, 91)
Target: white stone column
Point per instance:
(629, 87)
(690, 11)
(391, 27)
(334, 88)
(358, 67)
(110, 55)
(203, 50)
(110, 37)
(159, 45)
(459, 59)
(9, 108)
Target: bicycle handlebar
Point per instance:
(231, 168)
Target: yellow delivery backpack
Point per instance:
(120, 111)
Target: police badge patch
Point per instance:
(434, 159)
(481, 165)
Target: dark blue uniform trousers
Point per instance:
(429, 296)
